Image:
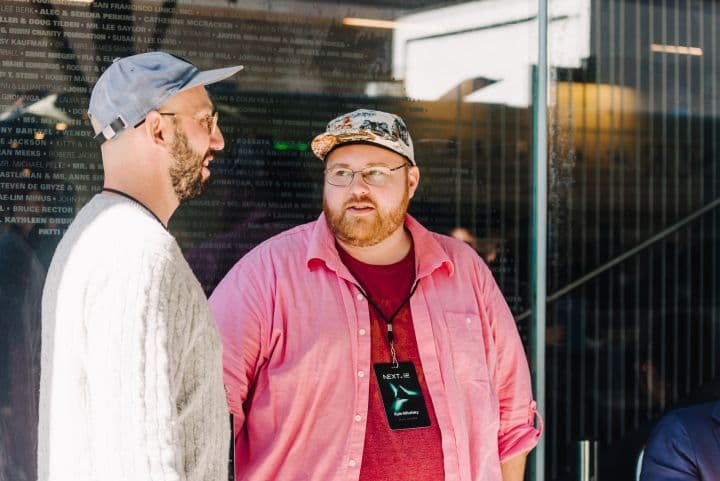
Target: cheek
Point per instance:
(391, 199)
(203, 147)
(199, 145)
(332, 198)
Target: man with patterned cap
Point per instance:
(362, 346)
(131, 377)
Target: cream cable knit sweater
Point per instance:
(131, 382)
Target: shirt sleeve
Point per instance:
(237, 307)
(669, 455)
(511, 376)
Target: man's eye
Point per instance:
(342, 173)
(375, 172)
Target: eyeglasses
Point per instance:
(209, 121)
(376, 175)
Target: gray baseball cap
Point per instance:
(133, 86)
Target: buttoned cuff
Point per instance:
(522, 438)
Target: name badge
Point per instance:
(404, 402)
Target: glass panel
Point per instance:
(633, 225)
(460, 73)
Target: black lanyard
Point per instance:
(128, 196)
(390, 319)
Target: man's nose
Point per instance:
(217, 141)
(358, 184)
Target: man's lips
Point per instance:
(360, 209)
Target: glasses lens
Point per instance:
(212, 122)
(375, 175)
(339, 176)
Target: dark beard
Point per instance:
(186, 171)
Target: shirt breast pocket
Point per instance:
(468, 349)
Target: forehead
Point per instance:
(360, 155)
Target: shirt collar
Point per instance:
(429, 254)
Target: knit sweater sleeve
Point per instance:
(134, 371)
(131, 386)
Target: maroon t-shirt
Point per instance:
(407, 453)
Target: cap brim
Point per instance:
(370, 143)
(323, 144)
(208, 77)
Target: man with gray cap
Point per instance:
(364, 347)
(131, 381)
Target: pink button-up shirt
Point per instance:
(296, 337)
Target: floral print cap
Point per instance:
(365, 127)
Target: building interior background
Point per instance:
(633, 185)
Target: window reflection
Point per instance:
(633, 157)
(633, 208)
(21, 281)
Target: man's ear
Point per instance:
(156, 130)
(413, 179)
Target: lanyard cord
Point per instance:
(128, 196)
(390, 319)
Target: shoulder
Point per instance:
(257, 272)
(250, 287)
(112, 240)
(456, 249)
(298, 236)
(697, 413)
(16, 255)
(114, 226)
(466, 262)
(679, 441)
(692, 420)
(285, 248)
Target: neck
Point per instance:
(161, 206)
(140, 171)
(389, 251)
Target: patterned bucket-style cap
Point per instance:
(365, 127)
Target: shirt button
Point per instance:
(362, 332)
(359, 297)
(468, 320)
(358, 418)
(352, 463)
(361, 374)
